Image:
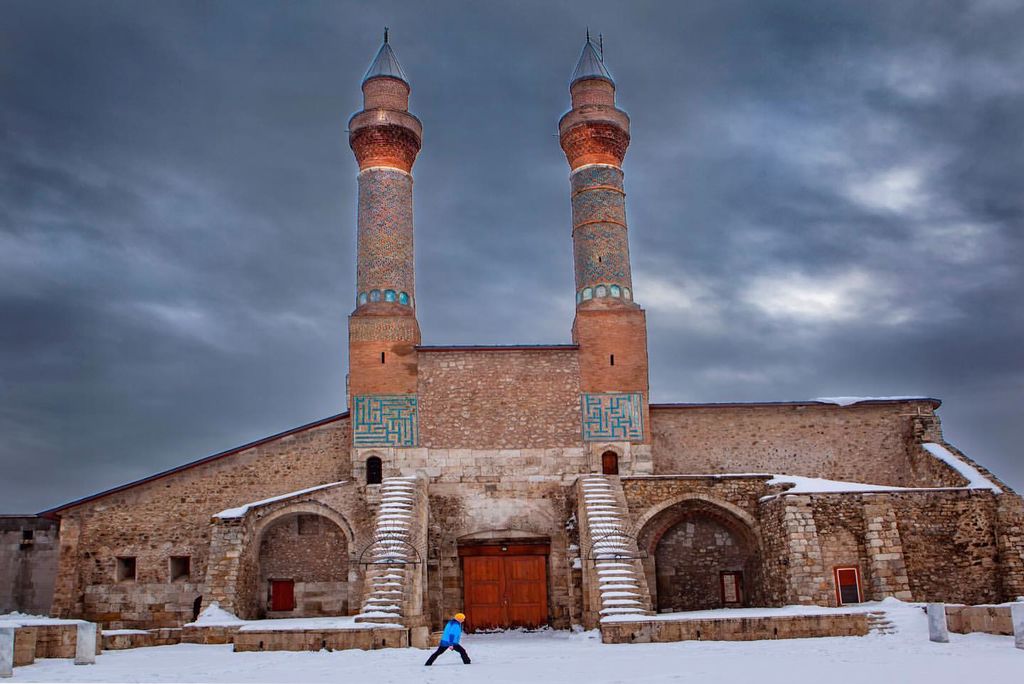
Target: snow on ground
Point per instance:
(906, 656)
(24, 619)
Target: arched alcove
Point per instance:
(701, 555)
(301, 565)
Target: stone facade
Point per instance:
(28, 563)
(549, 463)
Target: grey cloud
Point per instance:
(177, 209)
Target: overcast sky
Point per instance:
(824, 199)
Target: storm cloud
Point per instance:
(823, 198)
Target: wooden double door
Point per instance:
(505, 586)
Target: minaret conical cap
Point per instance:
(591, 65)
(385, 64)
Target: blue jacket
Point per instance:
(452, 633)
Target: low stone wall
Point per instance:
(735, 629)
(987, 619)
(46, 641)
(320, 639)
(121, 641)
(114, 641)
(209, 635)
(24, 647)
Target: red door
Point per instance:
(505, 586)
(732, 588)
(609, 463)
(282, 595)
(848, 586)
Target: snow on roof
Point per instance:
(849, 401)
(975, 480)
(818, 485)
(244, 508)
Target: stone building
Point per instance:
(538, 485)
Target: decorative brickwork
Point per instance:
(600, 245)
(612, 416)
(385, 146)
(595, 143)
(385, 235)
(382, 421)
(373, 328)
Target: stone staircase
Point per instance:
(393, 584)
(613, 575)
(879, 623)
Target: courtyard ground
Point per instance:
(552, 656)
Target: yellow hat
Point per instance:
(460, 616)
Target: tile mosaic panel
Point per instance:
(386, 420)
(613, 416)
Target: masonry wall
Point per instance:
(499, 399)
(874, 443)
(170, 516)
(311, 551)
(494, 511)
(950, 545)
(690, 558)
(28, 564)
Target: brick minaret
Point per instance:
(383, 331)
(610, 327)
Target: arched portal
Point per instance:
(303, 568)
(701, 556)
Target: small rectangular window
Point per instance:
(28, 535)
(126, 568)
(382, 357)
(611, 359)
(181, 568)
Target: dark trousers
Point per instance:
(441, 649)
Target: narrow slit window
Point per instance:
(382, 357)
(611, 359)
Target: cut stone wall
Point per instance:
(28, 566)
(689, 559)
(949, 545)
(863, 443)
(311, 551)
(499, 399)
(170, 516)
(735, 629)
(506, 510)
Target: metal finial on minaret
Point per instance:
(588, 34)
(385, 34)
(600, 45)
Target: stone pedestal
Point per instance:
(85, 644)
(937, 630)
(1017, 615)
(6, 651)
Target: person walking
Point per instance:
(450, 639)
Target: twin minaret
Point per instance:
(610, 328)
